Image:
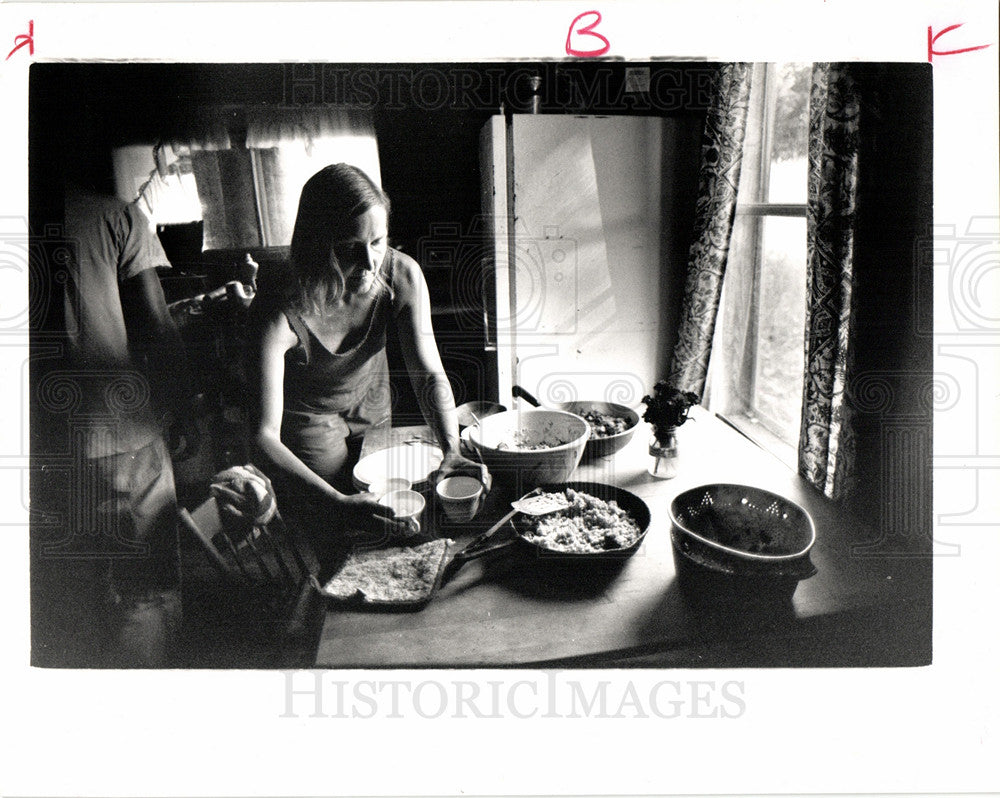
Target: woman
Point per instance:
(323, 372)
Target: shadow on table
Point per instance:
(736, 632)
(564, 579)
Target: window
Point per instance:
(243, 178)
(755, 378)
(169, 200)
(250, 196)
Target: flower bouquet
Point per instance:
(666, 410)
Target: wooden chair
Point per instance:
(266, 589)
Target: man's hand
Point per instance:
(184, 438)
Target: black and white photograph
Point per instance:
(554, 387)
(321, 334)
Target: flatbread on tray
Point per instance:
(395, 575)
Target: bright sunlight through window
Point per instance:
(757, 357)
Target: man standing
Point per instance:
(106, 590)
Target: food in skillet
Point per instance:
(397, 574)
(587, 525)
(604, 425)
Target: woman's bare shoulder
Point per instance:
(275, 328)
(407, 276)
(405, 267)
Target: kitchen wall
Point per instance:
(428, 147)
(893, 308)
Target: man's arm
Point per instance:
(153, 333)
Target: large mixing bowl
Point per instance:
(469, 412)
(599, 445)
(739, 542)
(533, 446)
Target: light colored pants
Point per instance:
(108, 593)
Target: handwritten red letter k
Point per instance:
(932, 40)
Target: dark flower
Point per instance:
(667, 407)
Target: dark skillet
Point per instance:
(511, 531)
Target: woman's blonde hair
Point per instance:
(330, 202)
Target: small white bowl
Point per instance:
(461, 497)
(407, 505)
(381, 487)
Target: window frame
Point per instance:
(749, 419)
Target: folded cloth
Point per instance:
(245, 493)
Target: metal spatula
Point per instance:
(537, 503)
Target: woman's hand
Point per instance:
(361, 512)
(455, 464)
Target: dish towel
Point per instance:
(245, 493)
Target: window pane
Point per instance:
(279, 195)
(790, 131)
(228, 200)
(777, 391)
(752, 185)
(732, 358)
(755, 377)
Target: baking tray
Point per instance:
(360, 600)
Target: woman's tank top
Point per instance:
(352, 383)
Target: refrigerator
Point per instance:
(590, 218)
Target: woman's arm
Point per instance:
(423, 364)
(275, 339)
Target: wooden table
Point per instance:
(503, 611)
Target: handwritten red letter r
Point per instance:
(24, 40)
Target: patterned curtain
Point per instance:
(718, 182)
(826, 438)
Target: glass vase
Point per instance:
(663, 454)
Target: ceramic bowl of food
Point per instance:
(611, 424)
(737, 542)
(470, 412)
(534, 446)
